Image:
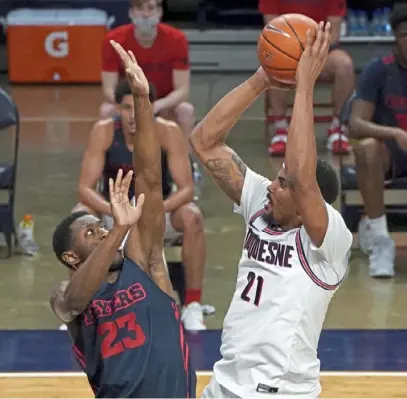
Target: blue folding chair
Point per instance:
(9, 117)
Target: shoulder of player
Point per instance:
(118, 34)
(102, 132)
(169, 132)
(337, 222)
(386, 60)
(379, 64)
(332, 211)
(171, 32)
(165, 124)
(58, 305)
(251, 174)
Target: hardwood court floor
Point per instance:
(55, 126)
(334, 385)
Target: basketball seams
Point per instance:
(278, 48)
(295, 33)
(281, 44)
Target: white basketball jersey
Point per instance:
(284, 286)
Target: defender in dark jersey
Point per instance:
(379, 121)
(121, 316)
(109, 148)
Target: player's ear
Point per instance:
(71, 258)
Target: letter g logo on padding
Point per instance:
(56, 44)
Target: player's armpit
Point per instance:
(59, 306)
(227, 170)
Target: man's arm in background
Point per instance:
(336, 12)
(370, 84)
(110, 70)
(269, 10)
(176, 147)
(92, 168)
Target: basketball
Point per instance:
(281, 44)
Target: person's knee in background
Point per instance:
(185, 117)
(183, 114)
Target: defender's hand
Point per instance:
(137, 79)
(315, 55)
(123, 212)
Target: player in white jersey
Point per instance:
(295, 252)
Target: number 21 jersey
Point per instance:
(130, 340)
(284, 286)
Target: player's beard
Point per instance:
(268, 217)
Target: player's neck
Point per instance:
(145, 41)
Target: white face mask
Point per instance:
(146, 26)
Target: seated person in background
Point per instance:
(163, 55)
(338, 70)
(109, 149)
(379, 120)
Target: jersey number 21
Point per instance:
(251, 279)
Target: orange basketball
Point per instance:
(281, 44)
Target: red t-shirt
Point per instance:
(169, 52)
(318, 10)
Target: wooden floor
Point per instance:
(74, 385)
